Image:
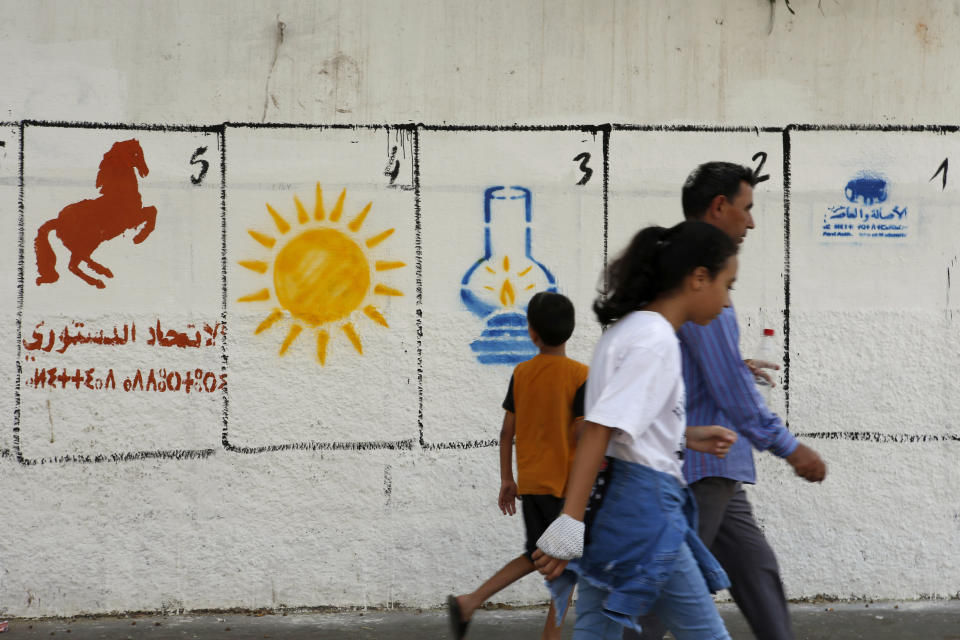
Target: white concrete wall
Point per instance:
(365, 481)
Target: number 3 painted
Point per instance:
(583, 159)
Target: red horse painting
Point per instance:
(83, 226)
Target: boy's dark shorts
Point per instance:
(538, 512)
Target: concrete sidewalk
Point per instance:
(935, 620)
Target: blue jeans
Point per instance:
(684, 605)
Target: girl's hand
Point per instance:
(714, 439)
(508, 497)
(549, 566)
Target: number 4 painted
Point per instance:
(941, 169)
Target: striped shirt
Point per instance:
(721, 390)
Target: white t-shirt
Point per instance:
(636, 387)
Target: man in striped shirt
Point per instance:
(720, 390)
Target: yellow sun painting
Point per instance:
(322, 275)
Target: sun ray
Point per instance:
(282, 225)
(357, 222)
(385, 265)
(263, 294)
(318, 213)
(525, 271)
(380, 237)
(294, 332)
(269, 321)
(506, 263)
(374, 314)
(322, 339)
(352, 335)
(530, 286)
(338, 208)
(386, 291)
(489, 288)
(302, 216)
(254, 265)
(489, 269)
(265, 240)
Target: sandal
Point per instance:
(458, 626)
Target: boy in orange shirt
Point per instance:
(544, 400)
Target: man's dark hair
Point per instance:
(709, 180)
(551, 316)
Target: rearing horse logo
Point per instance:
(83, 225)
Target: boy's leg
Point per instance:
(685, 604)
(510, 573)
(551, 630)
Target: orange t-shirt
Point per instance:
(546, 395)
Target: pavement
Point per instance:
(927, 620)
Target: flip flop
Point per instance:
(458, 627)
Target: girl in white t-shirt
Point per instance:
(643, 553)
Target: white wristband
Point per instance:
(563, 539)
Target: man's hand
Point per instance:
(714, 439)
(808, 464)
(508, 497)
(757, 368)
(549, 566)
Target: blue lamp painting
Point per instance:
(498, 286)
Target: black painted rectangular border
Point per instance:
(603, 130)
(311, 445)
(121, 456)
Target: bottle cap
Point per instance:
(768, 332)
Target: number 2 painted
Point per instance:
(760, 177)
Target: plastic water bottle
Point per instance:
(769, 352)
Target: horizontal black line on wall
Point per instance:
(410, 126)
(185, 454)
(205, 128)
(471, 444)
(869, 436)
(395, 445)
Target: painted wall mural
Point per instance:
(377, 277)
(322, 275)
(865, 215)
(83, 226)
(321, 293)
(498, 288)
(121, 328)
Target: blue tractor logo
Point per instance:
(866, 188)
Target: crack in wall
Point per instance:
(267, 98)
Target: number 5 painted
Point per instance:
(204, 165)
